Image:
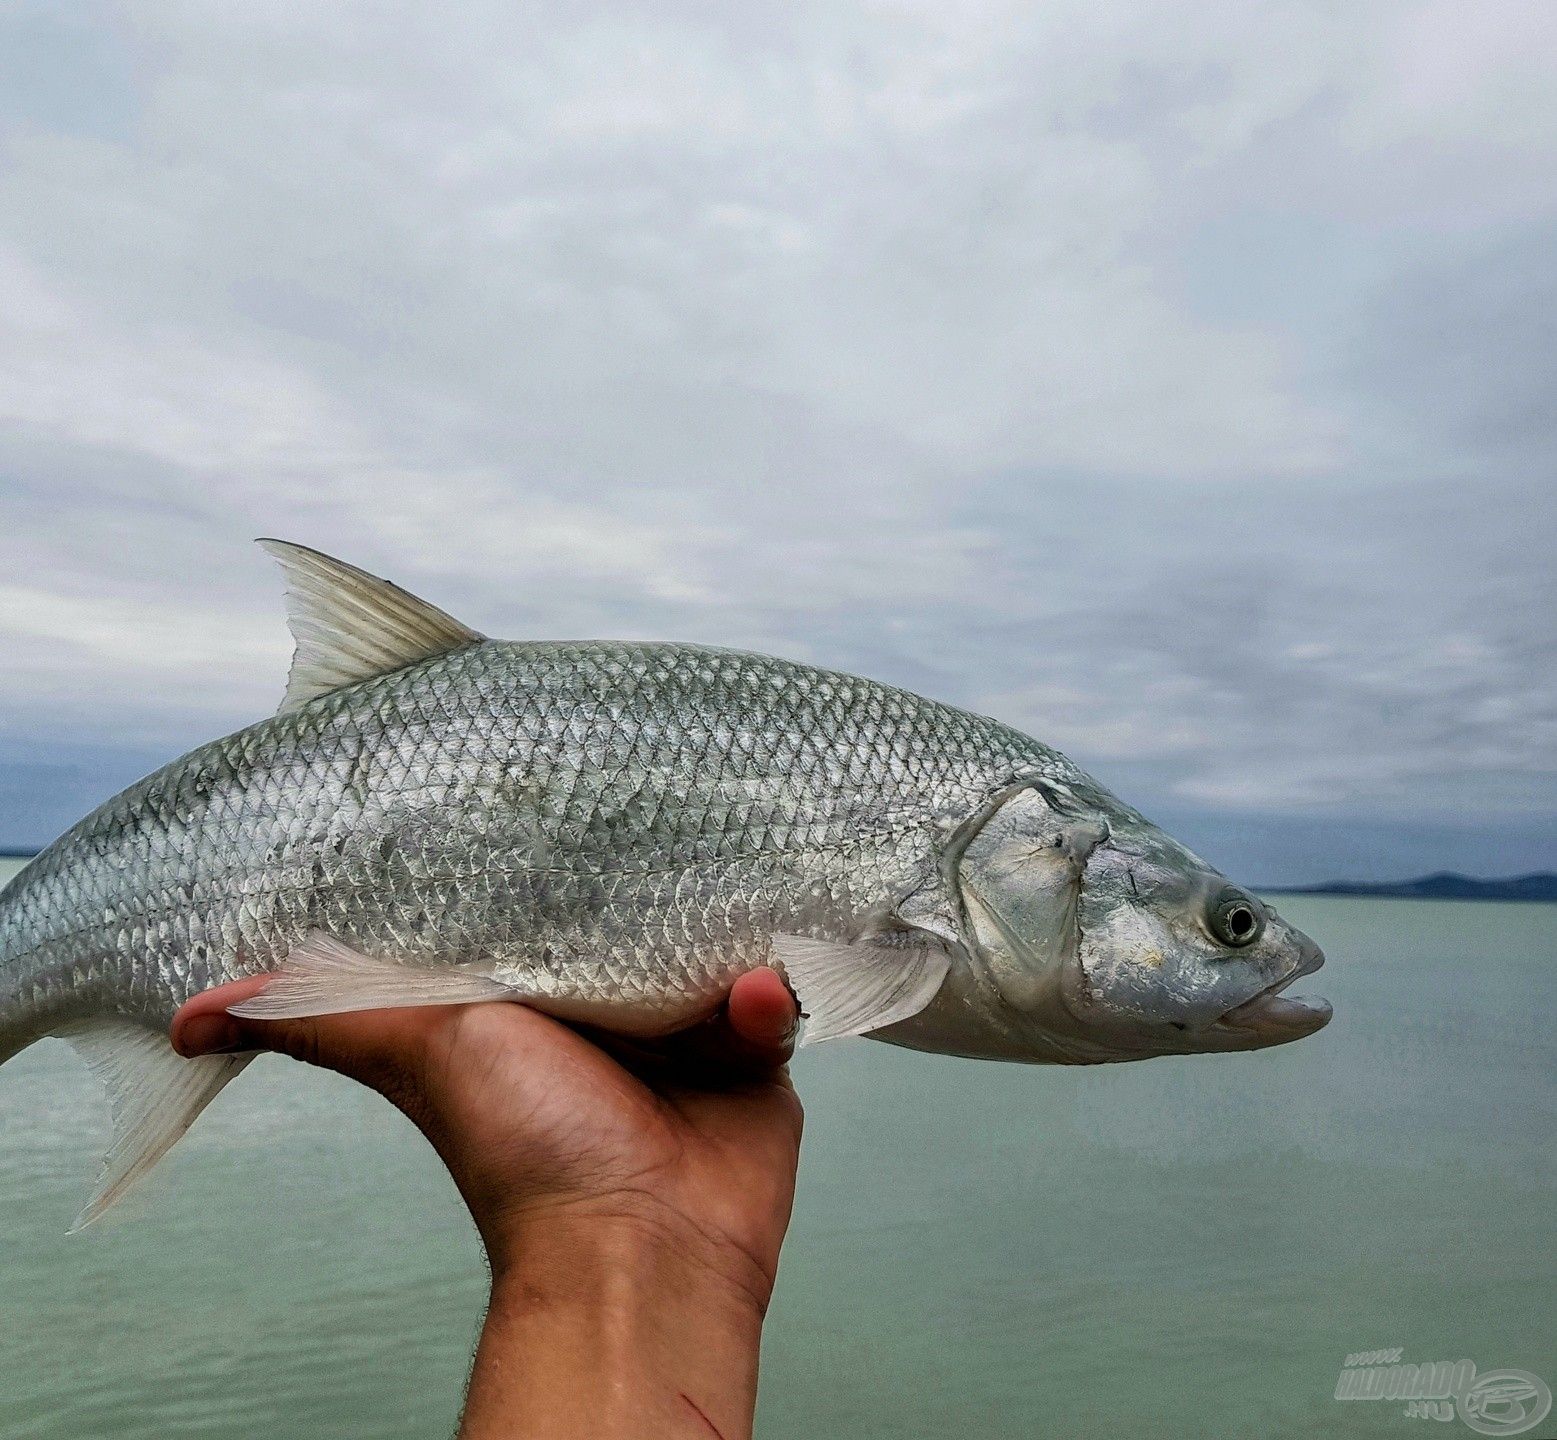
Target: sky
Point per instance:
(1175, 381)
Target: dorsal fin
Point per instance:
(349, 625)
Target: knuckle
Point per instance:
(300, 1040)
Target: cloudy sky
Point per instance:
(1177, 381)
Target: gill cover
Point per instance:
(1020, 880)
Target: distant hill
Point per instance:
(1445, 885)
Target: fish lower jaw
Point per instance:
(1274, 1018)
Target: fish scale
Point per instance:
(614, 822)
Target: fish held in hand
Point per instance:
(612, 832)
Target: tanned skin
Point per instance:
(632, 1199)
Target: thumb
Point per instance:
(386, 1049)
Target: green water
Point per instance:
(1179, 1248)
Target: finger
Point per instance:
(750, 1037)
(202, 1025)
(763, 1015)
(368, 1045)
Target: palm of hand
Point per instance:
(535, 1120)
(560, 1124)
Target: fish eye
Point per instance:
(1235, 918)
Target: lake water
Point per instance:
(1185, 1247)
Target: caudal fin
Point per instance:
(154, 1095)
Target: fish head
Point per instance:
(1090, 935)
(1174, 958)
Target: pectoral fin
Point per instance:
(323, 976)
(853, 989)
(154, 1095)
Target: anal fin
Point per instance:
(325, 976)
(154, 1095)
(854, 989)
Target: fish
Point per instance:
(612, 832)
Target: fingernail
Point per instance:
(783, 1031)
(208, 1035)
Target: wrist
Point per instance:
(624, 1247)
(615, 1325)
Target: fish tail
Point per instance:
(15, 1034)
(18, 1024)
(10, 977)
(22, 1021)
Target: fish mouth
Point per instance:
(1271, 1018)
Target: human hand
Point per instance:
(632, 1203)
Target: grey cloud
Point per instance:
(1176, 388)
(1464, 349)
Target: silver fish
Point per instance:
(612, 832)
